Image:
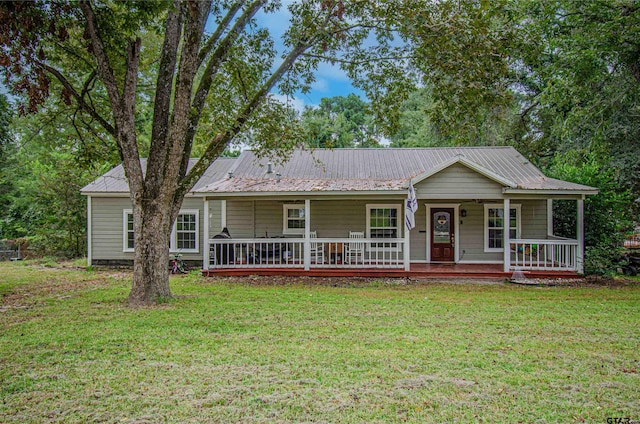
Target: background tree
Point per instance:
(340, 122)
(214, 86)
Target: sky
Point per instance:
(330, 79)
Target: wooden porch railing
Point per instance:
(289, 253)
(549, 255)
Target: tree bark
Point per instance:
(152, 232)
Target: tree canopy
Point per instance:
(211, 69)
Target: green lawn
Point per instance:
(72, 351)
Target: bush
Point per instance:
(607, 215)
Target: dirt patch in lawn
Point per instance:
(588, 281)
(58, 284)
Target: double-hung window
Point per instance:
(127, 230)
(383, 222)
(494, 226)
(293, 219)
(184, 235)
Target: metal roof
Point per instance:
(360, 170)
(380, 169)
(114, 181)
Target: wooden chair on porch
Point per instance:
(355, 249)
(317, 249)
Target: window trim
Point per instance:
(174, 234)
(173, 241)
(125, 230)
(285, 219)
(487, 206)
(399, 227)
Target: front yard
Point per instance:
(377, 351)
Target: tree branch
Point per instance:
(123, 109)
(222, 26)
(217, 146)
(79, 98)
(164, 86)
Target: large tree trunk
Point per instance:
(152, 232)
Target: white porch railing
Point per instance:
(289, 253)
(548, 255)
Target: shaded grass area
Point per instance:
(232, 351)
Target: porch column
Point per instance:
(205, 235)
(89, 253)
(223, 214)
(580, 235)
(550, 217)
(506, 220)
(307, 231)
(406, 251)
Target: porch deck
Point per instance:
(454, 271)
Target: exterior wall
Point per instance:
(533, 221)
(458, 182)
(107, 228)
(418, 243)
(215, 217)
(330, 218)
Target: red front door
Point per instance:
(442, 235)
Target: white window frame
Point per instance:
(487, 206)
(125, 230)
(285, 218)
(173, 242)
(174, 234)
(399, 223)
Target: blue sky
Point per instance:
(330, 80)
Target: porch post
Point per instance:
(223, 214)
(550, 217)
(406, 251)
(580, 235)
(505, 236)
(205, 235)
(307, 231)
(89, 253)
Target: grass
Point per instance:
(223, 351)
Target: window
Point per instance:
(127, 233)
(184, 236)
(383, 223)
(494, 226)
(293, 219)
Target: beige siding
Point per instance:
(215, 217)
(240, 220)
(419, 235)
(458, 182)
(534, 218)
(471, 238)
(107, 227)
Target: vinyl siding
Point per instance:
(107, 227)
(458, 182)
(240, 221)
(215, 217)
(471, 238)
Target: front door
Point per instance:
(442, 235)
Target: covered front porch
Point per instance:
(399, 252)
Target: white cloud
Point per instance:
(295, 102)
